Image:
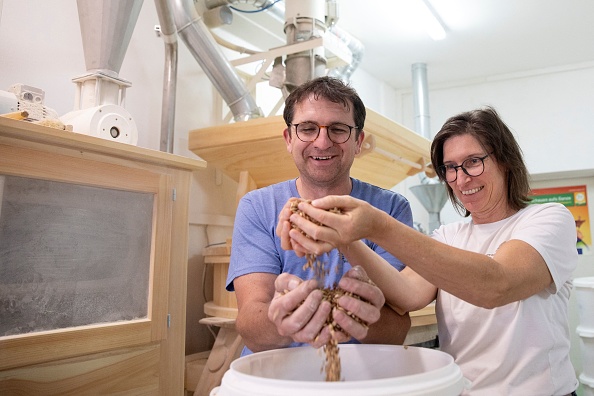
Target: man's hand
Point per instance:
(366, 308)
(298, 309)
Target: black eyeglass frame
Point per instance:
(327, 131)
(442, 168)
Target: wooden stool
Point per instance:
(227, 347)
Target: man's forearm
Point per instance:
(391, 328)
(257, 331)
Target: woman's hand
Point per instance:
(356, 221)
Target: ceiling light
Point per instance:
(433, 23)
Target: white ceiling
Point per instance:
(485, 38)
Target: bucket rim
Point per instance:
(585, 332)
(446, 378)
(584, 379)
(587, 282)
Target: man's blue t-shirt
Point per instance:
(255, 246)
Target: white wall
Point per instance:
(550, 112)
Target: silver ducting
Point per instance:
(106, 28)
(195, 34)
(421, 99)
(433, 197)
(431, 193)
(357, 49)
(203, 47)
(167, 31)
(304, 20)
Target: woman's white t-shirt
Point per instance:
(521, 348)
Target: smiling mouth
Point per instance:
(322, 158)
(473, 191)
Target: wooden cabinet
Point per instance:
(93, 264)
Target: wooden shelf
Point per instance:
(390, 154)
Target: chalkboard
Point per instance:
(71, 255)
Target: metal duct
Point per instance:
(277, 10)
(431, 193)
(180, 16)
(106, 28)
(421, 99)
(304, 20)
(357, 49)
(205, 50)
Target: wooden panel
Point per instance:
(28, 134)
(258, 147)
(172, 359)
(26, 162)
(40, 347)
(132, 371)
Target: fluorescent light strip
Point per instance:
(433, 23)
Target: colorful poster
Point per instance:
(576, 200)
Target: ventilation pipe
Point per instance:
(431, 193)
(193, 31)
(181, 17)
(355, 46)
(357, 49)
(167, 31)
(304, 20)
(421, 99)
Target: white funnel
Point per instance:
(433, 197)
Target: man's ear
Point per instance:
(288, 139)
(360, 142)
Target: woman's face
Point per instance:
(484, 196)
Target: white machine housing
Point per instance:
(99, 108)
(22, 97)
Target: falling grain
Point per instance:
(332, 365)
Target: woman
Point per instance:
(501, 280)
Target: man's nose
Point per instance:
(323, 139)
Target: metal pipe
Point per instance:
(357, 49)
(203, 47)
(169, 76)
(421, 99)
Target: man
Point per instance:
(325, 120)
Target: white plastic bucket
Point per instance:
(370, 370)
(587, 350)
(584, 295)
(587, 385)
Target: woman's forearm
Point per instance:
(404, 291)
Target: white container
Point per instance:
(587, 350)
(584, 295)
(587, 385)
(370, 370)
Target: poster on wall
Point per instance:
(576, 200)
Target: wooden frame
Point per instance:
(141, 356)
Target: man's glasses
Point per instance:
(308, 131)
(474, 166)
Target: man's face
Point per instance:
(323, 162)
